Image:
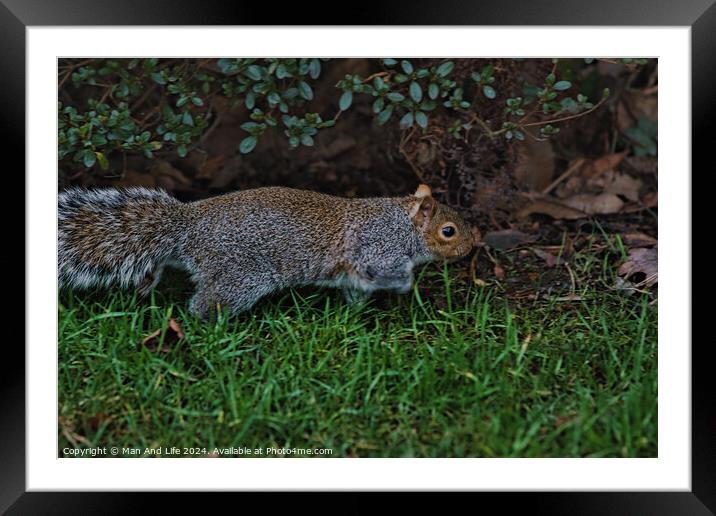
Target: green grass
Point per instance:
(398, 378)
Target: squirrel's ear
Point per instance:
(423, 208)
(423, 191)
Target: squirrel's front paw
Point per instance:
(356, 296)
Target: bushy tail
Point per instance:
(112, 236)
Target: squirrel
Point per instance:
(241, 246)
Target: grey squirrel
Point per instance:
(241, 246)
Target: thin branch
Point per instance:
(577, 115)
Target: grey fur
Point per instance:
(241, 246)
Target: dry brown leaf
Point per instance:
(601, 204)
(553, 209)
(499, 271)
(592, 177)
(507, 239)
(642, 164)
(650, 200)
(604, 164)
(638, 240)
(549, 259)
(642, 260)
(599, 166)
(535, 164)
(173, 333)
(623, 184)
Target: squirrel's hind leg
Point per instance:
(232, 293)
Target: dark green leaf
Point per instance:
(88, 158)
(247, 144)
(378, 105)
(273, 98)
(314, 69)
(562, 85)
(406, 66)
(384, 115)
(250, 100)
(290, 93)
(305, 89)
(346, 100)
(445, 68)
(407, 120)
(421, 119)
(433, 90)
(254, 72)
(416, 92)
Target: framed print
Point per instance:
(414, 251)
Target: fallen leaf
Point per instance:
(642, 164)
(604, 164)
(553, 209)
(638, 240)
(550, 259)
(642, 260)
(507, 239)
(173, 333)
(593, 176)
(623, 184)
(535, 164)
(601, 204)
(651, 200)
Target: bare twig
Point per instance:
(576, 165)
(577, 115)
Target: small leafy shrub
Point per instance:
(148, 106)
(111, 107)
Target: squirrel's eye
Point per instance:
(448, 231)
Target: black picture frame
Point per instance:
(17, 15)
